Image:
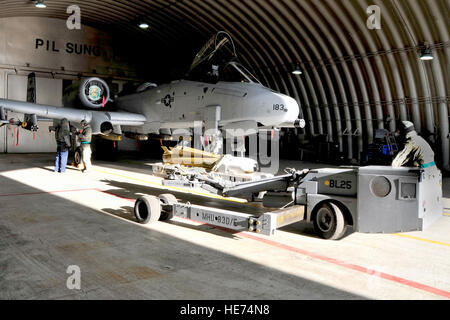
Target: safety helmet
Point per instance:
(83, 123)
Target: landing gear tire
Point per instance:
(77, 157)
(329, 222)
(147, 209)
(167, 200)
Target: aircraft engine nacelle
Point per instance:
(94, 93)
(106, 128)
(100, 124)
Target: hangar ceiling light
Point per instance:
(40, 4)
(426, 54)
(296, 69)
(144, 25)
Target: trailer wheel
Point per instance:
(167, 199)
(329, 221)
(147, 209)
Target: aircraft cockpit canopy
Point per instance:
(235, 72)
(217, 61)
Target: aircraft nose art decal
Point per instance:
(94, 93)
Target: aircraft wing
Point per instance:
(100, 121)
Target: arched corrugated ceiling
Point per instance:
(355, 79)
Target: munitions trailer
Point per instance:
(371, 199)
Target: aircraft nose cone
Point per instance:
(293, 108)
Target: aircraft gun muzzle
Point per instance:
(298, 123)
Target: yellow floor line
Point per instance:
(422, 239)
(179, 189)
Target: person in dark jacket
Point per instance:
(62, 135)
(85, 136)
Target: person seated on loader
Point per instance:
(417, 152)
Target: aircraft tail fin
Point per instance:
(31, 88)
(30, 120)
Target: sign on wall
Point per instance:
(48, 43)
(36, 44)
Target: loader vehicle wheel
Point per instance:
(167, 200)
(147, 209)
(329, 222)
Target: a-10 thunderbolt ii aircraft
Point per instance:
(218, 93)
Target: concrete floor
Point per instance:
(49, 221)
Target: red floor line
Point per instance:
(63, 191)
(354, 267)
(45, 192)
(114, 195)
(372, 272)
